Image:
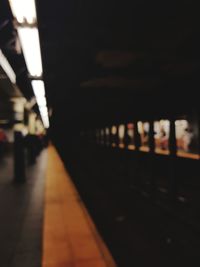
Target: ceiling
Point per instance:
(9, 44)
(105, 60)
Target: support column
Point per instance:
(126, 137)
(152, 158)
(31, 140)
(19, 140)
(117, 136)
(151, 137)
(172, 166)
(19, 157)
(136, 136)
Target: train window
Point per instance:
(121, 135)
(113, 132)
(107, 133)
(143, 130)
(187, 139)
(102, 136)
(130, 133)
(161, 136)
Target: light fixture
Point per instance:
(45, 121)
(41, 101)
(43, 111)
(121, 131)
(45, 117)
(7, 68)
(114, 130)
(24, 11)
(29, 39)
(38, 88)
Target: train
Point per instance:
(152, 167)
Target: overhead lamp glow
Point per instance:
(24, 11)
(43, 111)
(45, 121)
(30, 43)
(38, 88)
(7, 68)
(41, 101)
(45, 117)
(46, 125)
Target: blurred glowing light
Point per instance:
(38, 88)
(140, 127)
(41, 101)
(121, 131)
(24, 11)
(43, 111)
(7, 68)
(114, 130)
(107, 131)
(29, 39)
(45, 121)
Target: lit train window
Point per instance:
(130, 133)
(143, 130)
(161, 136)
(121, 135)
(102, 136)
(113, 132)
(187, 139)
(107, 133)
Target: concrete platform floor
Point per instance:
(43, 222)
(21, 214)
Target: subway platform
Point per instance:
(43, 222)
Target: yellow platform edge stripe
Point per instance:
(59, 244)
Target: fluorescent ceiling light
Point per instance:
(45, 121)
(43, 111)
(29, 39)
(39, 91)
(45, 118)
(7, 68)
(41, 101)
(38, 88)
(24, 11)
(46, 124)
